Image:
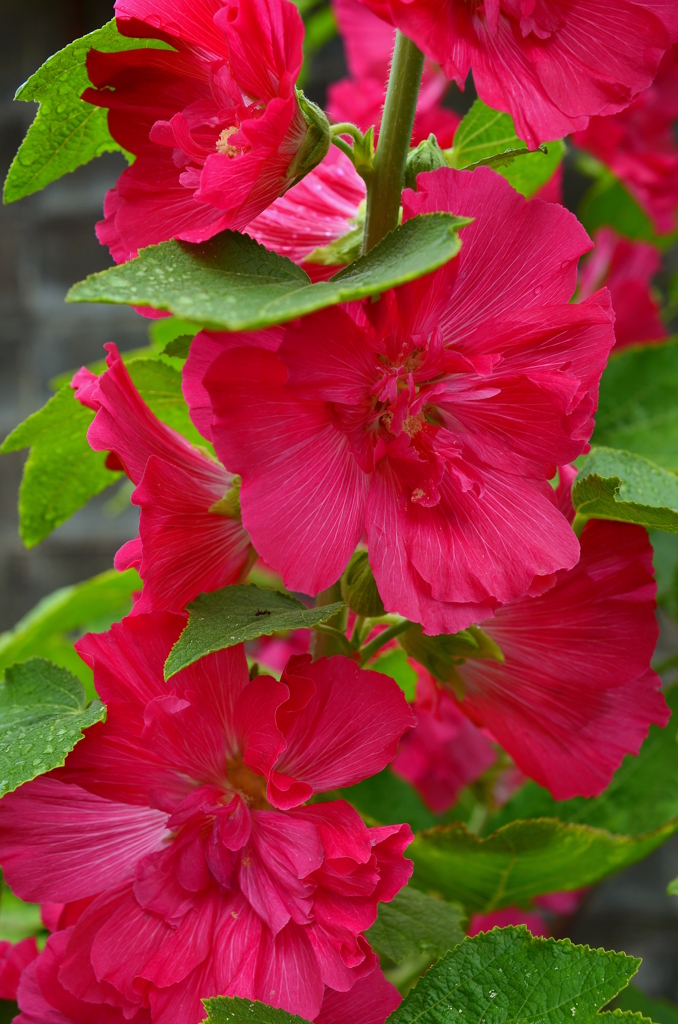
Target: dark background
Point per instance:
(47, 243)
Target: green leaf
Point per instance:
(386, 799)
(395, 664)
(42, 631)
(67, 132)
(61, 472)
(18, 920)
(607, 203)
(159, 384)
(509, 975)
(637, 408)
(233, 283)
(179, 347)
(235, 614)
(413, 923)
(642, 796)
(614, 484)
(522, 860)
(659, 1010)
(234, 1010)
(488, 137)
(42, 714)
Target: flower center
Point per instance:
(224, 146)
(413, 424)
(250, 785)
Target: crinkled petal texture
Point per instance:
(639, 145)
(175, 831)
(214, 123)
(551, 64)
(190, 540)
(430, 421)
(445, 751)
(626, 269)
(575, 693)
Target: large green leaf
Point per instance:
(233, 283)
(522, 860)
(61, 472)
(508, 975)
(614, 484)
(234, 1010)
(488, 137)
(637, 409)
(642, 796)
(43, 711)
(235, 614)
(415, 924)
(43, 631)
(67, 132)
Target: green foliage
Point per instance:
(395, 664)
(159, 384)
(386, 799)
(632, 1000)
(439, 654)
(637, 409)
(522, 860)
(359, 588)
(234, 614)
(234, 1010)
(18, 920)
(233, 283)
(614, 484)
(642, 796)
(488, 137)
(67, 132)
(509, 975)
(43, 711)
(61, 472)
(43, 632)
(608, 204)
(413, 923)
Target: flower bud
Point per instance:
(316, 144)
(428, 156)
(359, 589)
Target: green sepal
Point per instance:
(316, 144)
(441, 654)
(359, 587)
(427, 156)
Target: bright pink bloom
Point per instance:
(14, 958)
(508, 916)
(181, 820)
(188, 544)
(627, 269)
(430, 420)
(575, 693)
(551, 64)
(639, 146)
(216, 128)
(368, 45)
(445, 752)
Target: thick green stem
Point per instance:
(323, 644)
(385, 183)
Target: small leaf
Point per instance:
(522, 860)
(414, 923)
(487, 137)
(65, 611)
(233, 283)
(67, 132)
(637, 409)
(235, 614)
(179, 347)
(61, 472)
(509, 975)
(42, 714)
(359, 588)
(234, 1010)
(614, 484)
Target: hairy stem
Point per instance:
(385, 183)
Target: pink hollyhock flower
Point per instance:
(191, 539)
(216, 127)
(445, 752)
(368, 45)
(551, 65)
(509, 916)
(182, 821)
(14, 958)
(627, 269)
(639, 146)
(575, 693)
(430, 420)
